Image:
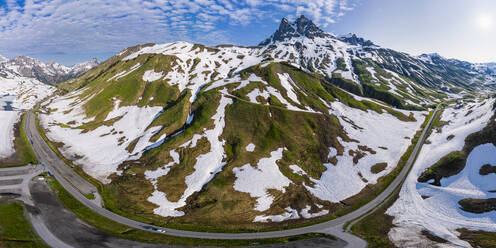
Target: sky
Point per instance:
(73, 31)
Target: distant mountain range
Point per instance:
(49, 72)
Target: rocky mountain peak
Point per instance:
(353, 39)
(300, 27)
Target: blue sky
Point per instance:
(70, 31)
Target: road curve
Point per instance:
(333, 227)
(25, 174)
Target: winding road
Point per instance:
(77, 186)
(16, 180)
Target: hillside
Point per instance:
(17, 95)
(448, 189)
(305, 125)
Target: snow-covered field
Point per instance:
(17, 94)
(8, 120)
(104, 148)
(440, 213)
(257, 180)
(23, 92)
(384, 133)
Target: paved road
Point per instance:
(333, 227)
(23, 176)
(56, 166)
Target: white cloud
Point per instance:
(66, 26)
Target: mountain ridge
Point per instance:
(46, 72)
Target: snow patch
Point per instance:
(288, 83)
(290, 214)
(206, 167)
(369, 128)
(297, 170)
(8, 120)
(250, 147)
(440, 214)
(305, 213)
(151, 75)
(256, 181)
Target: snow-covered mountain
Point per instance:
(303, 126)
(488, 68)
(81, 68)
(448, 173)
(49, 73)
(17, 94)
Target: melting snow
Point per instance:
(151, 75)
(440, 213)
(297, 170)
(305, 213)
(124, 73)
(104, 148)
(256, 181)
(207, 165)
(288, 83)
(17, 93)
(289, 215)
(250, 147)
(8, 120)
(342, 180)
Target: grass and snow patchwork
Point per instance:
(124, 73)
(17, 93)
(440, 212)
(197, 65)
(369, 128)
(290, 214)
(288, 84)
(236, 79)
(100, 151)
(305, 213)
(207, 165)
(297, 170)
(269, 91)
(256, 181)
(21, 93)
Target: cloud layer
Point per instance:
(71, 26)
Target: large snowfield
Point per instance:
(17, 94)
(8, 120)
(343, 180)
(103, 149)
(440, 212)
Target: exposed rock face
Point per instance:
(79, 69)
(353, 39)
(49, 73)
(301, 27)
